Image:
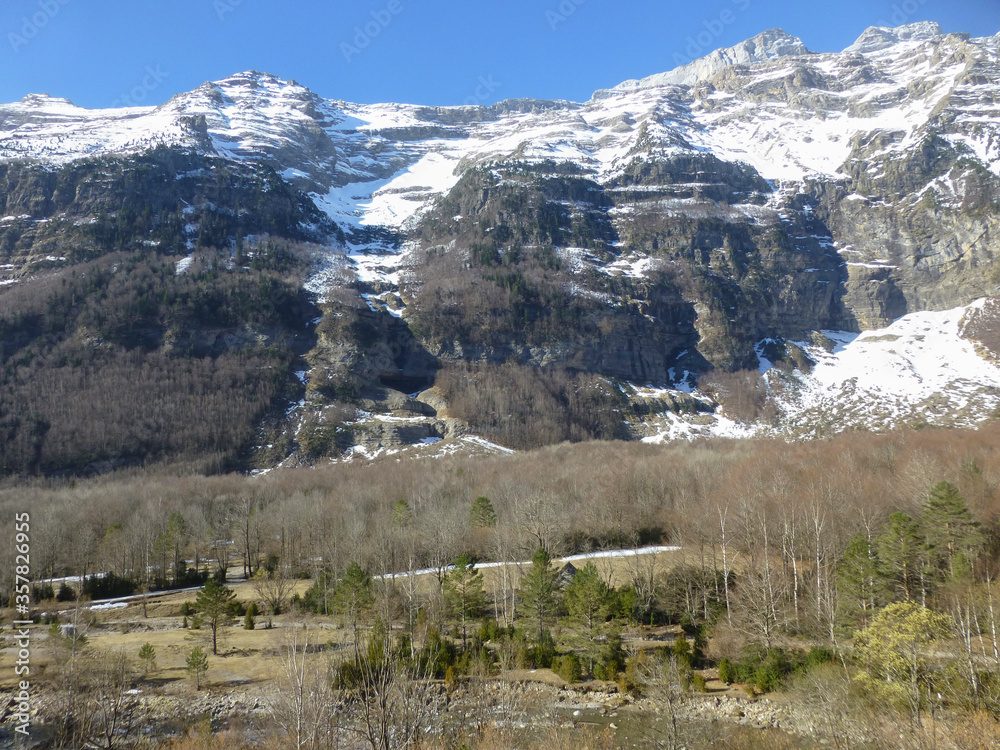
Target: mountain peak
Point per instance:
(42, 100)
(253, 77)
(768, 45)
(877, 38)
(774, 43)
(250, 88)
(254, 82)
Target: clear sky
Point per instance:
(104, 52)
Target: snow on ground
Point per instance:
(430, 447)
(641, 551)
(650, 391)
(917, 370)
(635, 266)
(606, 554)
(484, 443)
(789, 143)
(918, 367)
(331, 269)
(403, 195)
(673, 427)
(376, 266)
(183, 265)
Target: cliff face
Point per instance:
(893, 144)
(678, 264)
(921, 235)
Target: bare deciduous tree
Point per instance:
(93, 704)
(305, 703)
(273, 587)
(642, 574)
(391, 698)
(663, 683)
(247, 510)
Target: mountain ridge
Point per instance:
(768, 45)
(774, 42)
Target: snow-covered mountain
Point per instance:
(770, 102)
(781, 191)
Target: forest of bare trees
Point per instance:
(122, 361)
(800, 503)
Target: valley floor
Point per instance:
(247, 683)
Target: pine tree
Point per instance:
(588, 600)
(464, 594)
(899, 547)
(147, 655)
(213, 602)
(402, 515)
(197, 665)
(354, 595)
(860, 586)
(952, 537)
(587, 597)
(538, 590)
(482, 515)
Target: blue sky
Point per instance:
(103, 52)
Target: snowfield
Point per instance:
(919, 370)
(584, 558)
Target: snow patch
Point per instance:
(919, 364)
(183, 265)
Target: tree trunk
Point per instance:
(725, 562)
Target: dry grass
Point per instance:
(978, 731)
(249, 657)
(202, 739)
(246, 657)
(745, 738)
